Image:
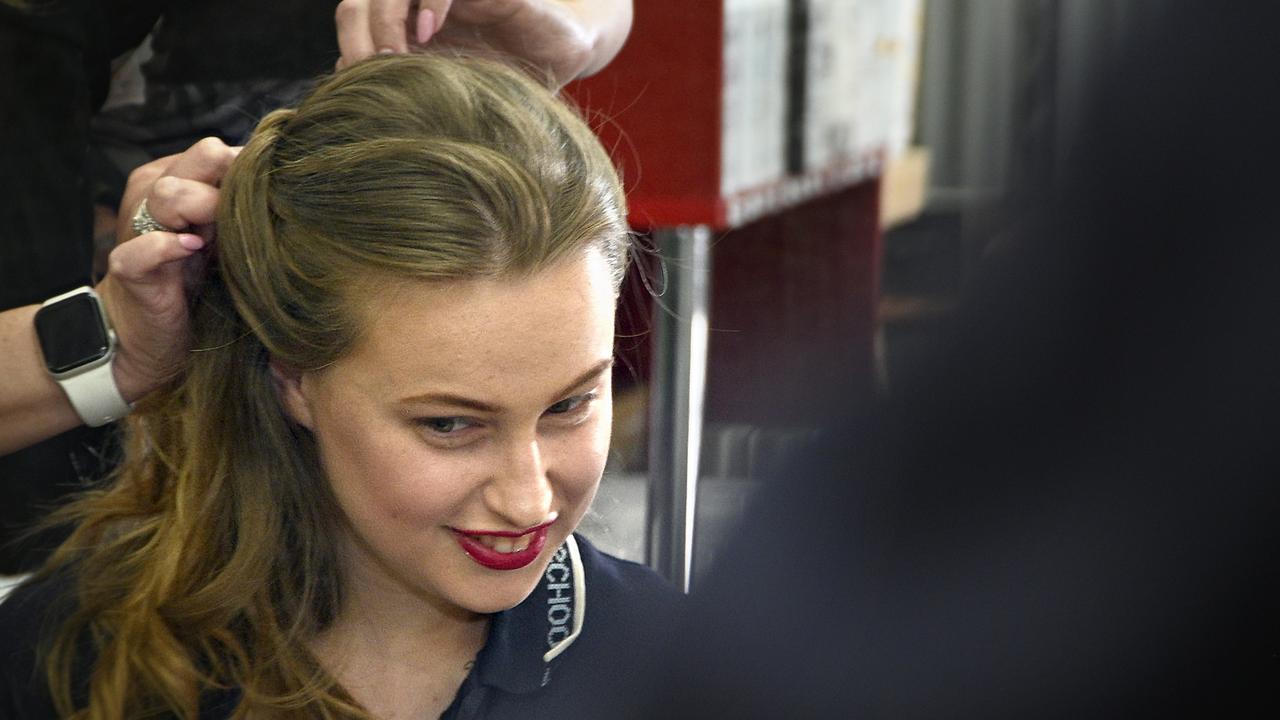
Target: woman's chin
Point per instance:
(501, 594)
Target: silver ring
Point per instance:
(144, 223)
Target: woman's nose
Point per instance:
(518, 490)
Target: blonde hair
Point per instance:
(209, 561)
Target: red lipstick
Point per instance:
(494, 560)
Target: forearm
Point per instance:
(32, 406)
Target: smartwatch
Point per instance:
(78, 345)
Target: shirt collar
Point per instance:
(525, 641)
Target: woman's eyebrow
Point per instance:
(484, 407)
(453, 401)
(595, 370)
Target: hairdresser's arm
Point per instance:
(144, 294)
(571, 38)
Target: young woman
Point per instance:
(358, 498)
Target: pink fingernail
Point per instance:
(426, 26)
(190, 242)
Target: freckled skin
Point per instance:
(517, 345)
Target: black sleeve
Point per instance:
(55, 63)
(45, 222)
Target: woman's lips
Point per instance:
(503, 550)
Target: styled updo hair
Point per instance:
(210, 561)
(413, 166)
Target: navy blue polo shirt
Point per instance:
(585, 641)
(584, 644)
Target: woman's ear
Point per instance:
(288, 382)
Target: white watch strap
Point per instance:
(95, 397)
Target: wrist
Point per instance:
(145, 344)
(133, 382)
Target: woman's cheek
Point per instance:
(426, 484)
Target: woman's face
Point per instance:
(465, 433)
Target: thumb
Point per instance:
(147, 258)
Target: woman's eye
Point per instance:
(568, 405)
(444, 425)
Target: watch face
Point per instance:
(71, 333)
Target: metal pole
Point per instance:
(675, 399)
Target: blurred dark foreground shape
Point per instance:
(1072, 511)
